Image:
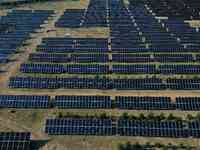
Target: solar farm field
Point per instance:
(100, 75)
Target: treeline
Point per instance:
(141, 116)
(156, 146)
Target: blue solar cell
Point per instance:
(128, 69)
(188, 103)
(87, 69)
(173, 58)
(183, 84)
(81, 126)
(24, 101)
(54, 83)
(73, 48)
(19, 25)
(139, 84)
(89, 102)
(194, 128)
(144, 103)
(179, 69)
(134, 58)
(151, 128)
(45, 57)
(15, 140)
(42, 68)
(85, 58)
(71, 18)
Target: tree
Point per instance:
(171, 117)
(198, 116)
(103, 116)
(121, 147)
(151, 116)
(158, 145)
(190, 117)
(142, 116)
(181, 145)
(137, 146)
(60, 115)
(125, 115)
(128, 146)
(161, 117)
(148, 145)
(133, 117)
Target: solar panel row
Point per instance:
(137, 29)
(101, 57)
(72, 126)
(100, 102)
(94, 102)
(15, 141)
(175, 129)
(105, 83)
(124, 34)
(176, 9)
(63, 45)
(188, 36)
(24, 101)
(122, 127)
(71, 18)
(155, 35)
(106, 69)
(16, 27)
(96, 14)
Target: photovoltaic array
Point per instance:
(80, 126)
(122, 127)
(15, 141)
(16, 27)
(149, 46)
(99, 102)
(139, 44)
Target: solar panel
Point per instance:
(144, 103)
(183, 84)
(87, 69)
(71, 18)
(79, 126)
(89, 102)
(96, 14)
(105, 83)
(187, 9)
(86, 58)
(51, 58)
(54, 83)
(188, 103)
(152, 128)
(139, 84)
(131, 58)
(179, 69)
(24, 101)
(194, 128)
(122, 127)
(173, 58)
(128, 69)
(15, 141)
(19, 25)
(42, 68)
